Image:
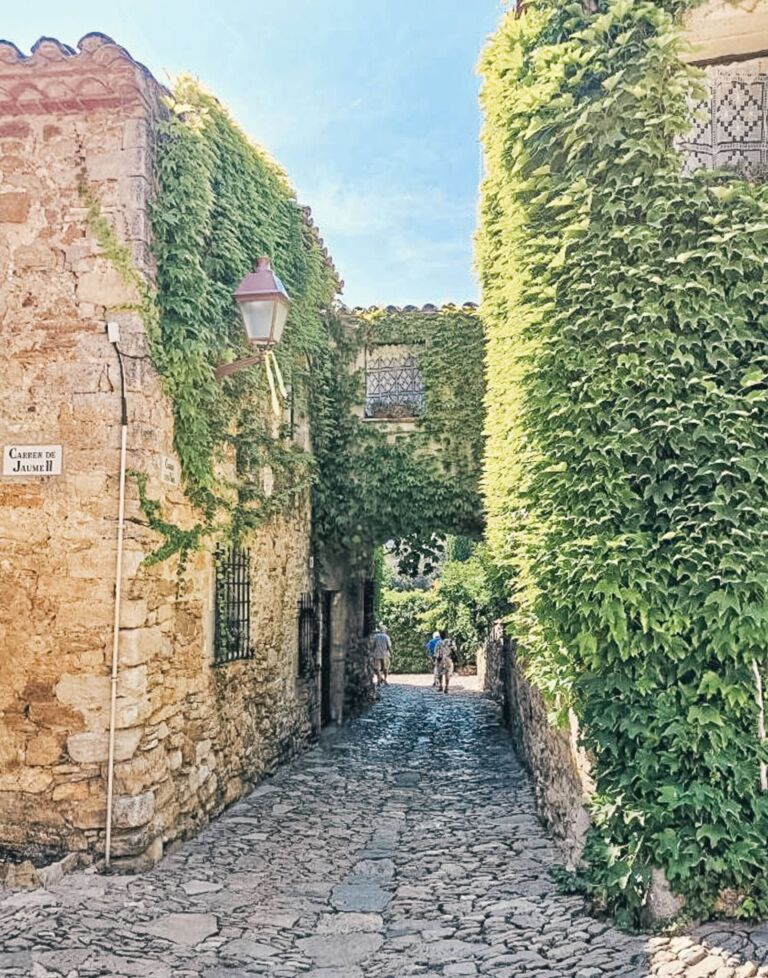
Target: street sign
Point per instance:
(32, 460)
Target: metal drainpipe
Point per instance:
(113, 333)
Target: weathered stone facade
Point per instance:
(559, 767)
(190, 736)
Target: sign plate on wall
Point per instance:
(169, 470)
(32, 460)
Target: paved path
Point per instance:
(405, 846)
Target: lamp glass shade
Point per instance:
(263, 304)
(264, 320)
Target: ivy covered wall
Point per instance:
(221, 202)
(627, 472)
(376, 482)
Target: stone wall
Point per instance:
(727, 30)
(350, 676)
(190, 737)
(559, 768)
(210, 732)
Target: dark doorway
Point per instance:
(369, 608)
(325, 658)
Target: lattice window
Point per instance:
(232, 634)
(309, 635)
(394, 388)
(730, 128)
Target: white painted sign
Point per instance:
(32, 460)
(169, 470)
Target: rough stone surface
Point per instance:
(470, 887)
(361, 897)
(184, 928)
(191, 739)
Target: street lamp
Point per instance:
(263, 304)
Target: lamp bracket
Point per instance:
(225, 369)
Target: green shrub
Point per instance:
(402, 613)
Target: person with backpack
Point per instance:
(432, 646)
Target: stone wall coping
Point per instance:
(57, 79)
(429, 307)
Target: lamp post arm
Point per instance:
(225, 369)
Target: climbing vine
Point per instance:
(375, 484)
(627, 473)
(221, 203)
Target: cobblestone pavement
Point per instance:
(406, 845)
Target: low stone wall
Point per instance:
(559, 768)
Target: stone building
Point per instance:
(196, 721)
(730, 42)
(728, 39)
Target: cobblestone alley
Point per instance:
(406, 845)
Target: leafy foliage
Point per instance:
(402, 612)
(468, 596)
(627, 472)
(221, 203)
(415, 487)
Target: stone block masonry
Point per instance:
(190, 737)
(559, 767)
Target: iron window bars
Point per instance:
(309, 635)
(232, 633)
(394, 388)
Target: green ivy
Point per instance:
(417, 487)
(627, 471)
(177, 541)
(221, 203)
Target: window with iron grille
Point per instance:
(369, 607)
(232, 634)
(394, 388)
(309, 635)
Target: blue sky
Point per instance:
(371, 107)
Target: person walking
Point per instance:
(380, 654)
(443, 665)
(432, 646)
